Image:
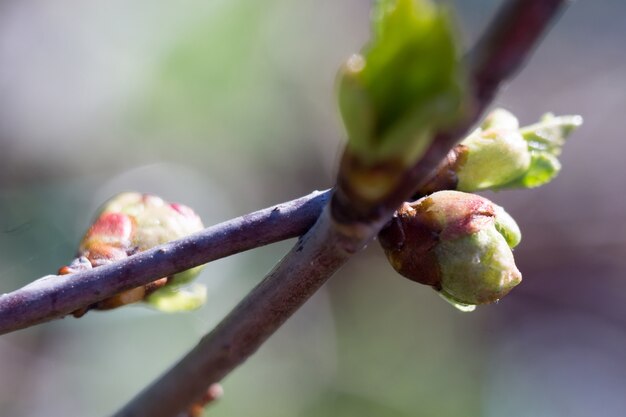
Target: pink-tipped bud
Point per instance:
(458, 243)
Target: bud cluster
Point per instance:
(133, 222)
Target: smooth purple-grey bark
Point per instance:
(55, 296)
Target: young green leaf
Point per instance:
(545, 142)
(406, 83)
(171, 299)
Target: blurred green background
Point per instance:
(229, 106)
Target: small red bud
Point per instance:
(130, 223)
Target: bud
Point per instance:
(500, 119)
(392, 99)
(130, 223)
(458, 243)
(501, 155)
(493, 157)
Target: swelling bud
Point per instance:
(458, 243)
(406, 84)
(500, 154)
(391, 97)
(130, 223)
(493, 155)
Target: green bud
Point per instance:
(404, 84)
(507, 227)
(458, 243)
(478, 268)
(492, 157)
(500, 119)
(501, 155)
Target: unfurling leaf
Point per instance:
(406, 82)
(545, 142)
(501, 155)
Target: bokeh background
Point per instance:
(229, 106)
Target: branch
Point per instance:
(328, 244)
(501, 52)
(55, 296)
(315, 257)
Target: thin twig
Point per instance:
(328, 244)
(55, 296)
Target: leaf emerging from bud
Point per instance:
(404, 84)
(545, 142)
(458, 243)
(501, 155)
